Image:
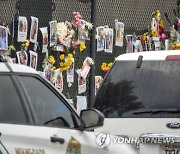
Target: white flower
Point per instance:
(89, 25)
(72, 32)
(89, 61)
(61, 29)
(69, 84)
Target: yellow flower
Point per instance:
(53, 67)
(144, 37)
(161, 23)
(70, 55)
(12, 48)
(61, 57)
(27, 42)
(51, 60)
(61, 64)
(82, 47)
(109, 65)
(103, 68)
(69, 59)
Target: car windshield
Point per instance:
(149, 91)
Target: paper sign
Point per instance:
(34, 29)
(81, 103)
(44, 32)
(22, 29)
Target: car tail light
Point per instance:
(173, 57)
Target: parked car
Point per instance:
(36, 119)
(140, 98)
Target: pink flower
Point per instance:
(77, 19)
(74, 44)
(74, 13)
(78, 16)
(77, 13)
(162, 37)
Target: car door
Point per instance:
(54, 128)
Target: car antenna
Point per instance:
(139, 61)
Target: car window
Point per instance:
(149, 91)
(11, 109)
(49, 108)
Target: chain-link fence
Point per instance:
(135, 14)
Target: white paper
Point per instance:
(129, 47)
(166, 44)
(60, 47)
(119, 26)
(70, 72)
(53, 32)
(44, 32)
(58, 80)
(81, 103)
(22, 29)
(98, 81)
(157, 45)
(34, 29)
(22, 57)
(47, 72)
(81, 85)
(33, 59)
(100, 38)
(3, 38)
(83, 33)
(109, 40)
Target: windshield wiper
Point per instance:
(155, 111)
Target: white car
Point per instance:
(36, 119)
(140, 98)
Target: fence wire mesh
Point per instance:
(135, 14)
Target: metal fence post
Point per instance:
(92, 53)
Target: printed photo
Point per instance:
(100, 38)
(22, 29)
(81, 103)
(81, 85)
(109, 40)
(70, 72)
(22, 57)
(47, 71)
(98, 81)
(119, 26)
(83, 33)
(53, 32)
(59, 81)
(3, 38)
(44, 32)
(34, 29)
(129, 46)
(85, 69)
(33, 59)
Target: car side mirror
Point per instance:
(92, 118)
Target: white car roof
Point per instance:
(148, 55)
(18, 68)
